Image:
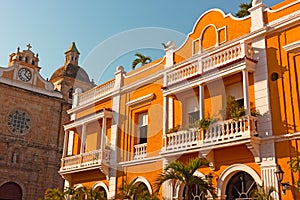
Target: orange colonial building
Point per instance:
(127, 127)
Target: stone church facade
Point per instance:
(32, 111)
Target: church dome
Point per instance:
(72, 71)
(71, 68)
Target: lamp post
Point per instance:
(209, 178)
(279, 175)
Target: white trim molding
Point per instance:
(139, 100)
(229, 172)
(141, 179)
(101, 184)
(292, 47)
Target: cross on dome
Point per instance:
(29, 46)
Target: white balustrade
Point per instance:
(183, 73)
(209, 61)
(84, 160)
(96, 92)
(222, 58)
(230, 130)
(182, 139)
(217, 134)
(140, 151)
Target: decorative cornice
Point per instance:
(292, 47)
(92, 117)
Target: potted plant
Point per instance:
(294, 164)
(233, 109)
(174, 129)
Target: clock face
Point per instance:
(24, 74)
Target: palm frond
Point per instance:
(243, 11)
(263, 193)
(141, 59)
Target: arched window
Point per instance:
(101, 192)
(195, 191)
(240, 186)
(141, 191)
(11, 190)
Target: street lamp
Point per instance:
(279, 175)
(209, 178)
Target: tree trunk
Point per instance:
(187, 193)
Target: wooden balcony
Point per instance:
(85, 161)
(140, 151)
(219, 134)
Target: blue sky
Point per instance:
(107, 33)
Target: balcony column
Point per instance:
(165, 114)
(201, 101)
(170, 112)
(167, 186)
(82, 138)
(246, 91)
(103, 136)
(65, 147)
(165, 122)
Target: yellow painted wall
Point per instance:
(94, 108)
(77, 141)
(207, 28)
(271, 16)
(129, 127)
(285, 91)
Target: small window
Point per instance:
(32, 62)
(240, 102)
(26, 59)
(71, 93)
(20, 58)
(142, 128)
(193, 117)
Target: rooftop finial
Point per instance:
(18, 49)
(29, 46)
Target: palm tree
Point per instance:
(73, 193)
(54, 194)
(140, 59)
(176, 171)
(243, 11)
(263, 193)
(135, 191)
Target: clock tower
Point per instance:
(25, 64)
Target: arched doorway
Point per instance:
(141, 191)
(10, 191)
(101, 191)
(195, 191)
(240, 186)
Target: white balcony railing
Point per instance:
(224, 57)
(96, 92)
(85, 160)
(182, 139)
(207, 62)
(183, 73)
(217, 134)
(140, 151)
(230, 130)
